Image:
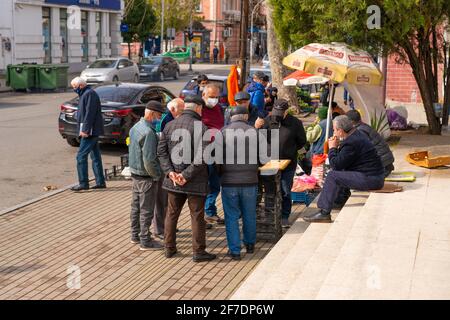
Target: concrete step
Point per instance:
(307, 284)
(377, 259)
(274, 262)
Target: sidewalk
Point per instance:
(90, 230)
(388, 246)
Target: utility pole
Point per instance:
(162, 26)
(243, 42)
(190, 36)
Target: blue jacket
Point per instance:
(165, 119)
(143, 159)
(356, 153)
(90, 119)
(256, 91)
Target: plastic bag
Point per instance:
(317, 171)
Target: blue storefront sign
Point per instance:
(98, 4)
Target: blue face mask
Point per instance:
(78, 91)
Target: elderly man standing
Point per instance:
(175, 108)
(355, 164)
(239, 178)
(213, 118)
(145, 173)
(185, 180)
(90, 127)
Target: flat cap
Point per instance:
(281, 104)
(198, 100)
(155, 106)
(238, 110)
(241, 96)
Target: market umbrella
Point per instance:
(300, 77)
(337, 62)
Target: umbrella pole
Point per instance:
(330, 108)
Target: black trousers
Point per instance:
(338, 181)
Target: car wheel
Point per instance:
(161, 76)
(73, 142)
(115, 80)
(136, 78)
(177, 74)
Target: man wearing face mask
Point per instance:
(355, 164)
(213, 118)
(145, 173)
(90, 127)
(292, 138)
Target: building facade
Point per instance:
(59, 31)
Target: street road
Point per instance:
(32, 153)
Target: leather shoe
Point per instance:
(79, 188)
(204, 256)
(170, 253)
(234, 256)
(99, 187)
(320, 216)
(250, 248)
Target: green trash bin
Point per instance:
(21, 76)
(52, 76)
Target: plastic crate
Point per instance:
(301, 197)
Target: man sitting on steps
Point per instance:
(355, 164)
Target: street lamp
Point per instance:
(251, 31)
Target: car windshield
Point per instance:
(152, 60)
(103, 64)
(116, 94)
(177, 50)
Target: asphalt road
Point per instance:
(32, 153)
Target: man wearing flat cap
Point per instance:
(145, 174)
(185, 180)
(242, 98)
(292, 138)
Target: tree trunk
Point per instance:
(129, 50)
(276, 55)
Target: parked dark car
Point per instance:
(220, 81)
(158, 68)
(122, 106)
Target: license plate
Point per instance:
(143, 74)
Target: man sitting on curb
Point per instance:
(355, 165)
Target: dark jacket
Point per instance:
(195, 172)
(256, 91)
(242, 169)
(292, 137)
(90, 119)
(253, 115)
(383, 150)
(165, 119)
(356, 153)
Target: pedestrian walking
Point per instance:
(239, 181)
(185, 181)
(216, 54)
(145, 174)
(90, 127)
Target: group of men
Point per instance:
(161, 183)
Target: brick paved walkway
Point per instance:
(90, 230)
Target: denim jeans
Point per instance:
(237, 202)
(89, 146)
(287, 180)
(214, 190)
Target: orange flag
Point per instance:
(232, 85)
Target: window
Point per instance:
(116, 94)
(98, 27)
(46, 32)
(103, 64)
(151, 95)
(85, 36)
(63, 33)
(198, 8)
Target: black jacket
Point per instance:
(356, 153)
(242, 169)
(383, 150)
(90, 119)
(292, 137)
(195, 172)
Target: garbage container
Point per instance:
(52, 76)
(21, 76)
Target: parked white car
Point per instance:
(266, 61)
(109, 70)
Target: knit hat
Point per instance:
(322, 113)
